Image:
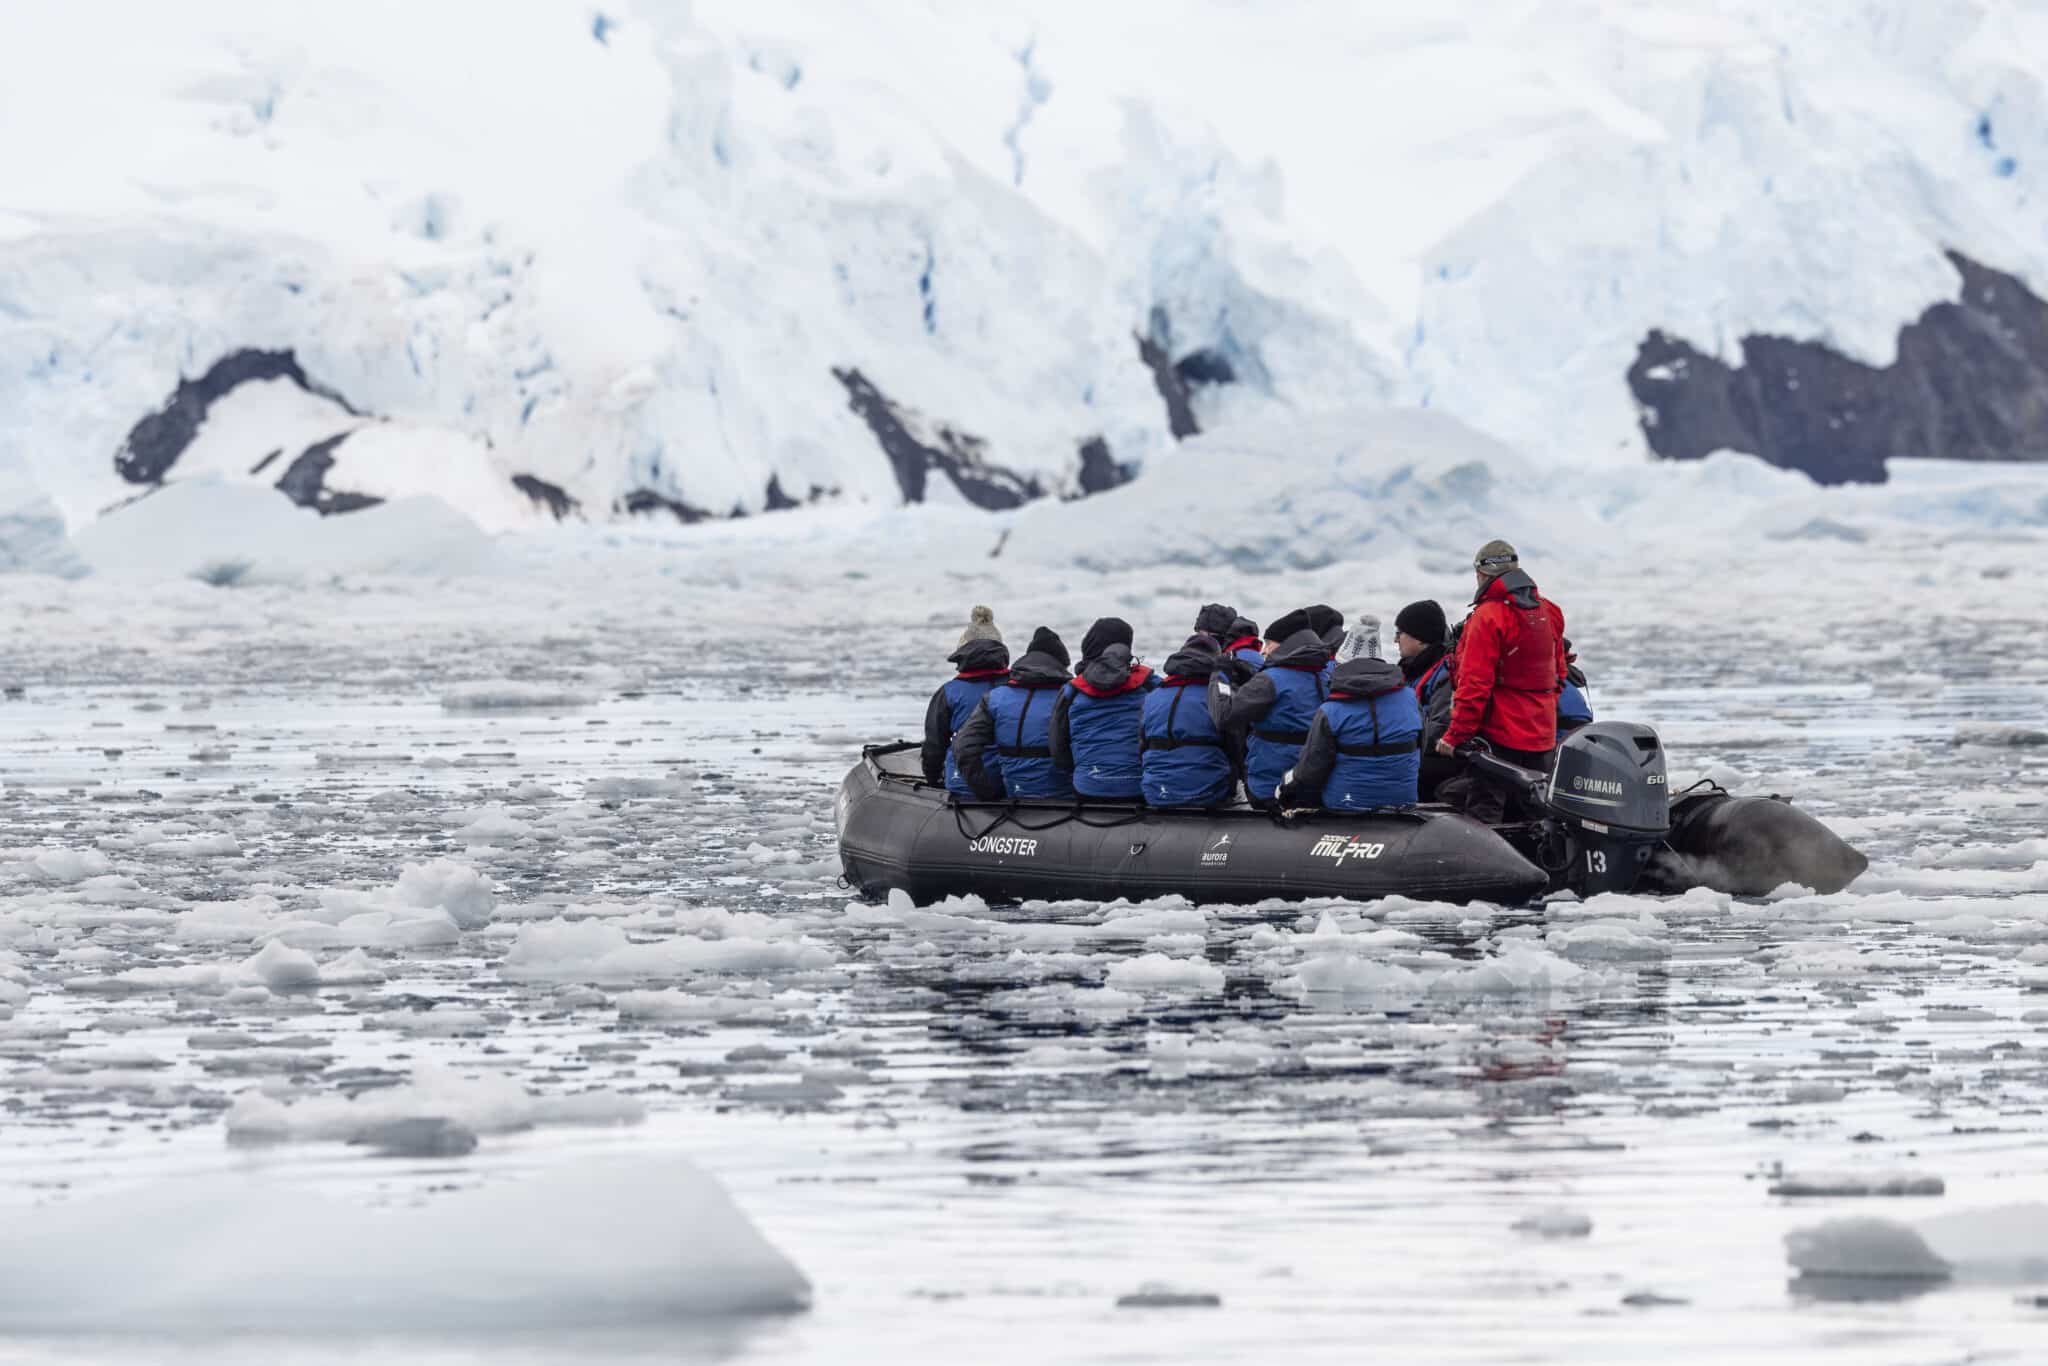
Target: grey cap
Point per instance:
(981, 625)
(1496, 558)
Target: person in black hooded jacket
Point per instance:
(1098, 721)
(1423, 640)
(1265, 719)
(982, 664)
(1364, 748)
(1015, 721)
(1184, 759)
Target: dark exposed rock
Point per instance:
(1101, 471)
(1166, 377)
(155, 443)
(305, 481)
(780, 501)
(1178, 379)
(641, 501)
(1205, 366)
(1970, 383)
(957, 455)
(553, 497)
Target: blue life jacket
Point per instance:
(1185, 763)
(1023, 725)
(1379, 753)
(1275, 742)
(1105, 716)
(1440, 675)
(1573, 710)
(961, 695)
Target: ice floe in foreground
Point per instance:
(625, 1240)
(2003, 1243)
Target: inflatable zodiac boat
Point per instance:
(1608, 824)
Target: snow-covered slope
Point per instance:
(655, 256)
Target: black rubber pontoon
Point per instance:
(898, 831)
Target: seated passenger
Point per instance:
(1573, 710)
(1422, 637)
(1327, 622)
(1243, 643)
(1421, 633)
(1214, 620)
(1265, 719)
(1364, 748)
(1098, 718)
(983, 661)
(1184, 761)
(1015, 722)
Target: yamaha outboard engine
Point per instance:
(1609, 792)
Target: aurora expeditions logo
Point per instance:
(1218, 852)
(1341, 847)
(1003, 844)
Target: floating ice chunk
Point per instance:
(227, 922)
(493, 825)
(202, 977)
(386, 930)
(594, 951)
(433, 1024)
(1813, 1093)
(1160, 1295)
(489, 1105)
(510, 694)
(682, 1006)
(1857, 1184)
(1344, 974)
(427, 1137)
(629, 1240)
(1157, 972)
(2000, 734)
(1555, 1223)
(281, 968)
(353, 968)
(1613, 940)
(620, 789)
(444, 884)
(219, 844)
(1863, 1247)
(69, 865)
(1519, 968)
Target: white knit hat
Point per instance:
(981, 625)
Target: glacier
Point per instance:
(539, 265)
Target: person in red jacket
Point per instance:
(1510, 664)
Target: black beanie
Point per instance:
(1323, 618)
(1214, 619)
(1045, 642)
(1288, 625)
(1106, 631)
(1242, 627)
(1424, 620)
(1203, 642)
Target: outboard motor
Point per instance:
(1610, 794)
